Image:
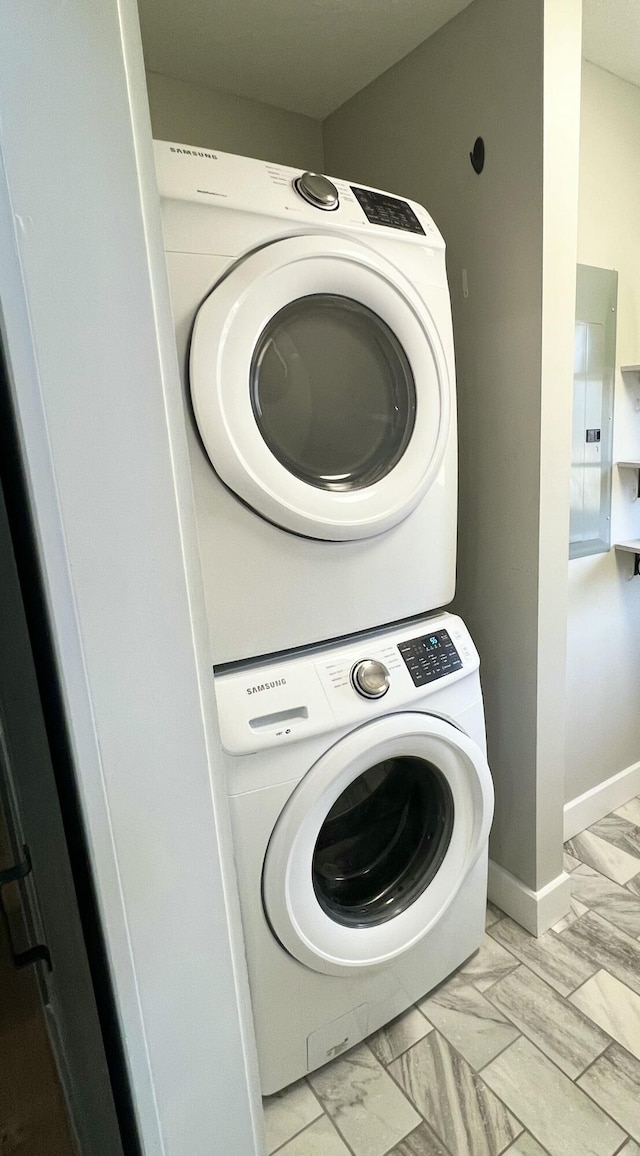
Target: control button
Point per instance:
(370, 678)
(317, 190)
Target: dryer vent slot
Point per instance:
(281, 716)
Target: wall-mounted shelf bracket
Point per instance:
(632, 547)
(632, 466)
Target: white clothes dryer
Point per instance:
(313, 326)
(361, 802)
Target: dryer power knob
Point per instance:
(319, 191)
(370, 678)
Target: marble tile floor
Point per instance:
(531, 1049)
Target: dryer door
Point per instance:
(375, 842)
(321, 388)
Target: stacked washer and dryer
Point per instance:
(313, 326)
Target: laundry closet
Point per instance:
(411, 131)
(510, 232)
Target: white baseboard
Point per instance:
(536, 911)
(600, 800)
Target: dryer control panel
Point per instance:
(226, 181)
(325, 688)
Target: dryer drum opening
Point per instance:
(332, 392)
(383, 841)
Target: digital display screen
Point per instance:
(430, 657)
(383, 210)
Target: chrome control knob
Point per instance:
(319, 191)
(370, 678)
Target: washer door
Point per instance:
(375, 842)
(320, 387)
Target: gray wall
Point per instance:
(193, 114)
(603, 652)
(411, 132)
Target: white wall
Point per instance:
(603, 645)
(88, 334)
(411, 132)
(193, 114)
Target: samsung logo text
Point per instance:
(266, 686)
(193, 153)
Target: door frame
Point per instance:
(33, 817)
(88, 334)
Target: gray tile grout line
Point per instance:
(575, 1082)
(274, 1151)
(518, 962)
(566, 999)
(302, 1130)
(324, 1111)
(590, 1065)
(575, 950)
(478, 1072)
(618, 930)
(635, 938)
(413, 1007)
(594, 1101)
(530, 1135)
(624, 887)
(426, 1123)
(410, 1101)
(384, 1069)
(620, 819)
(603, 873)
(579, 988)
(304, 1126)
(613, 1041)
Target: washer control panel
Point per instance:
(323, 688)
(430, 657)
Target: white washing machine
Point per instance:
(361, 802)
(314, 333)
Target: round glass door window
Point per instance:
(382, 842)
(332, 392)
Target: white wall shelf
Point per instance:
(632, 547)
(632, 466)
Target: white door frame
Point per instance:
(87, 331)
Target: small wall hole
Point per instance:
(476, 156)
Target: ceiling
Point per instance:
(611, 36)
(307, 56)
(310, 56)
